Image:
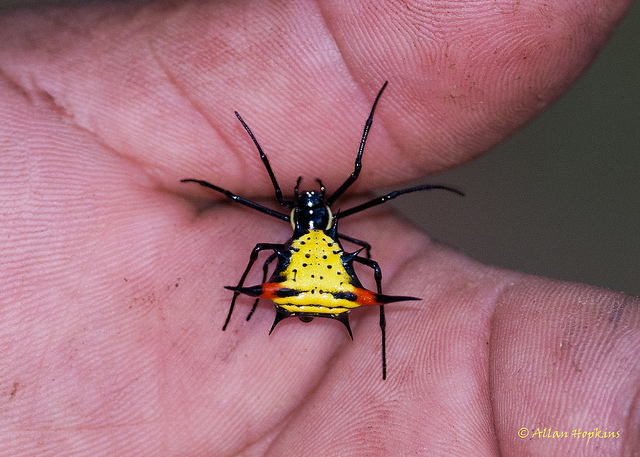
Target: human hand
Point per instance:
(113, 297)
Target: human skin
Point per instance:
(113, 271)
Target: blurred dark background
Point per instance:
(561, 197)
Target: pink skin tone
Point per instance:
(113, 271)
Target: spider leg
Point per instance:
(241, 200)
(278, 250)
(358, 166)
(392, 195)
(364, 244)
(377, 274)
(265, 270)
(267, 165)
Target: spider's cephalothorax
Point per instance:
(314, 276)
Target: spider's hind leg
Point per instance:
(377, 274)
(278, 249)
(265, 270)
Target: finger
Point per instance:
(486, 353)
(304, 78)
(564, 362)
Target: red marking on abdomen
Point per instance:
(366, 297)
(269, 290)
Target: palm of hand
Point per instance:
(113, 297)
